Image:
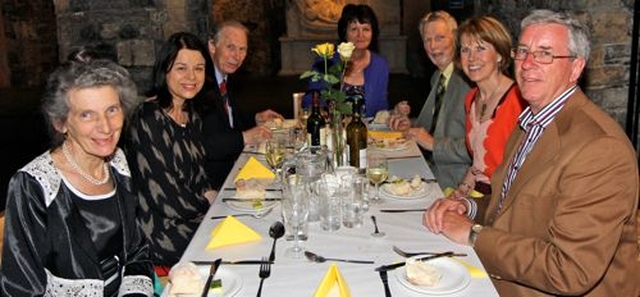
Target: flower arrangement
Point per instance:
(333, 74)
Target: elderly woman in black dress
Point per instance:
(71, 227)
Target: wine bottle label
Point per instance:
(323, 136)
(363, 158)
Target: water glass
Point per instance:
(353, 201)
(330, 205)
(295, 211)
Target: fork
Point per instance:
(258, 215)
(385, 282)
(408, 254)
(265, 271)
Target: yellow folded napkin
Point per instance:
(231, 231)
(254, 169)
(330, 279)
(474, 271)
(385, 134)
(473, 194)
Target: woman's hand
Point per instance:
(211, 195)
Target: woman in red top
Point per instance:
(494, 105)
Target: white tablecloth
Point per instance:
(299, 277)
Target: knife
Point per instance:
(404, 210)
(402, 157)
(250, 199)
(427, 258)
(268, 190)
(239, 262)
(212, 272)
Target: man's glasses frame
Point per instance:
(541, 56)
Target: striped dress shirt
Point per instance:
(533, 125)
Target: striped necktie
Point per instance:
(225, 96)
(440, 90)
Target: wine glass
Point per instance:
(275, 153)
(295, 212)
(377, 172)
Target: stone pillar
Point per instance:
(313, 22)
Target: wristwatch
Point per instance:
(473, 234)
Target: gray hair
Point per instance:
(578, 33)
(439, 15)
(215, 33)
(83, 75)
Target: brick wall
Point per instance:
(606, 78)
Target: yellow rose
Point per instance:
(345, 50)
(324, 50)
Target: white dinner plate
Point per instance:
(390, 148)
(231, 282)
(422, 192)
(249, 207)
(378, 127)
(455, 277)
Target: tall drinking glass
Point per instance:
(377, 172)
(275, 154)
(295, 212)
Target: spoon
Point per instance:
(275, 231)
(320, 259)
(377, 232)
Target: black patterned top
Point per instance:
(166, 161)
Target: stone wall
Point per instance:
(606, 79)
(30, 48)
(129, 31)
(37, 34)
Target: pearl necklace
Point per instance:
(76, 168)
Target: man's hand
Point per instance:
(433, 218)
(421, 136)
(267, 115)
(456, 227)
(399, 122)
(256, 135)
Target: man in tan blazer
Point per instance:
(562, 216)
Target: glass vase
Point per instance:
(338, 139)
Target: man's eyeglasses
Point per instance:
(542, 57)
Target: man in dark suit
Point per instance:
(561, 219)
(227, 130)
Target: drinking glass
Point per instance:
(331, 194)
(377, 172)
(295, 212)
(353, 203)
(304, 115)
(275, 154)
(297, 138)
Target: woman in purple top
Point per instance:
(366, 70)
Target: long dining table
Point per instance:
(301, 277)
